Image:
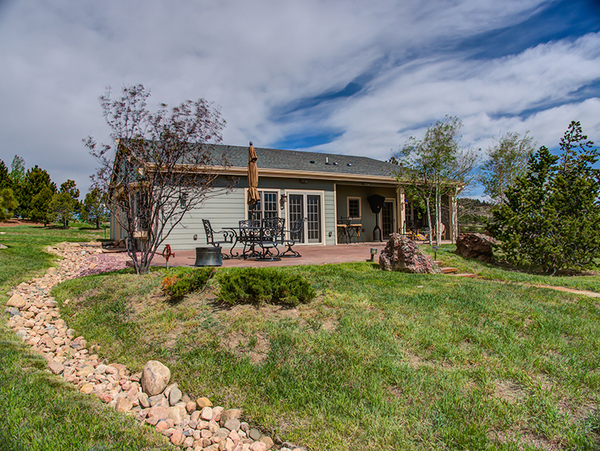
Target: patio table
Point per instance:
(347, 231)
(260, 239)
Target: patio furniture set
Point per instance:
(349, 231)
(260, 238)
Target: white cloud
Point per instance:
(255, 57)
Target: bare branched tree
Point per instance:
(160, 166)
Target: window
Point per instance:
(354, 207)
(266, 206)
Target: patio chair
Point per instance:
(294, 235)
(249, 234)
(228, 237)
(342, 230)
(271, 233)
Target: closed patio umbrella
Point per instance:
(253, 197)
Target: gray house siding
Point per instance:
(367, 217)
(227, 209)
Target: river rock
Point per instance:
(155, 378)
(16, 300)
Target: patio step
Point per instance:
(449, 270)
(465, 274)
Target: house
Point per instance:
(324, 188)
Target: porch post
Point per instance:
(401, 210)
(335, 212)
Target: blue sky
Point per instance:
(343, 76)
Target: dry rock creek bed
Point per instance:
(150, 396)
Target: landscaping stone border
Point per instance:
(193, 425)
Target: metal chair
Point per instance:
(250, 236)
(229, 237)
(271, 234)
(294, 235)
(342, 230)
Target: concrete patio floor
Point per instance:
(311, 255)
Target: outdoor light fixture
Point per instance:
(303, 181)
(435, 249)
(282, 200)
(373, 254)
(183, 197)
(195, 236)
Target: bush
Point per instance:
(264, 285)
(184, 281)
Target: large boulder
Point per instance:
(475, 245)
(403, 254)
(155, 378)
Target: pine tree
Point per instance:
(36, 179)
(8, 203)
(94, 207)
(40, 206)
(551, 218)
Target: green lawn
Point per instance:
(38, 410)
(378, 361)
(495, 272)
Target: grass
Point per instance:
(38, 410)
(496, 272)
(378, 361)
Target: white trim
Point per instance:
(348, 199)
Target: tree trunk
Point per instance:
(428, 207)
(438, 214)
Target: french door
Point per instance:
(309, 206)
(387, 219)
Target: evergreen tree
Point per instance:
(70, 188)
(40, 206)
(36, 179)
(61, 208)
(8, 203)
(5, 180)
(17, 170)
(551, 219)
(94, 207)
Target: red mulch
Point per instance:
(17, 222)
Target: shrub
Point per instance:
(183, 281)
(264, 285)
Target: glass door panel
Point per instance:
(296, 211)
(387, 219)
(313, 225)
